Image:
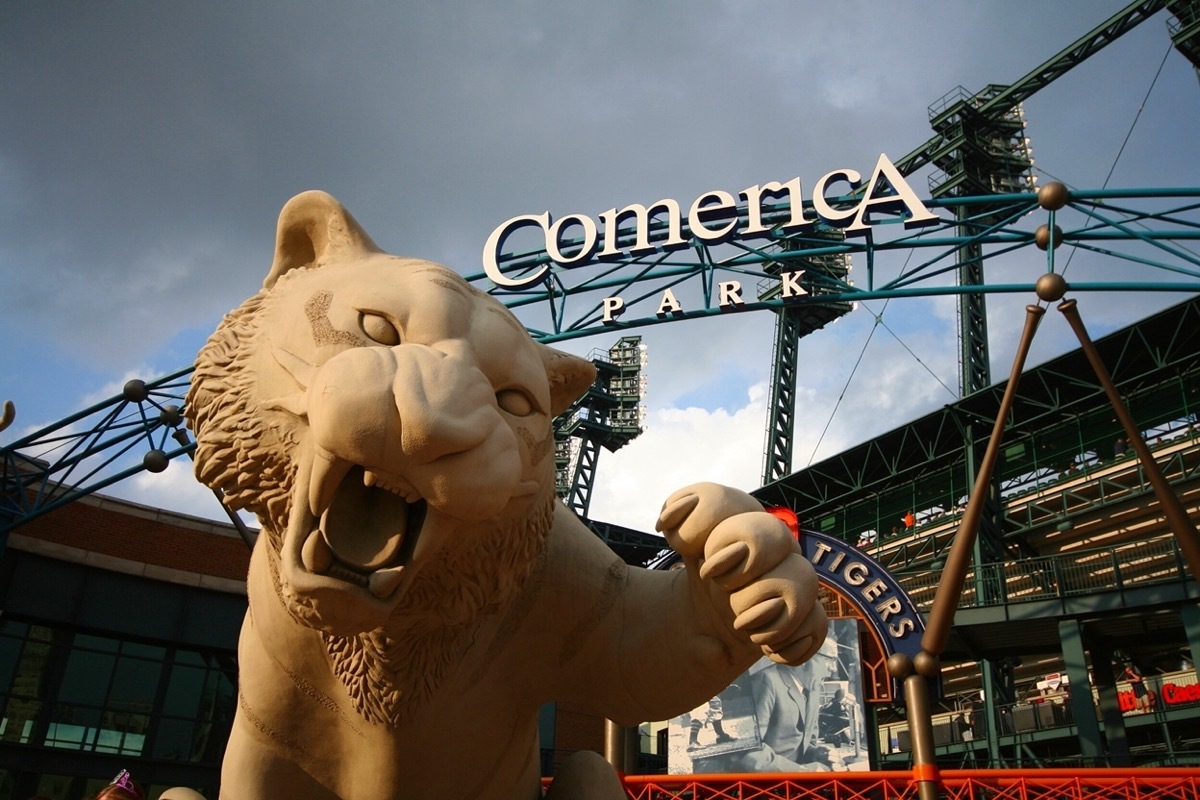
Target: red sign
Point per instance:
(1174, 695)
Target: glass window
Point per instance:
(31, 671)
(73, 727)
(87, 677)
(134, 684)
(109, 695)
(190, 658)
(26, 687)
(10, 654)
(173, 739)
(122, 734)
(41, 633)
(148, 651)
(15, 629)
(101, 643)
(19, 719)
(12, 636)
(183, 692)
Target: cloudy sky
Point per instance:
(146, 149)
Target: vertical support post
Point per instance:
(871, 726)
(925, 770)
(614, 746)
(1070, 636)
(991, 702)
(1110, 709)
(777, 460)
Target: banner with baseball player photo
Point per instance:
(776, 718)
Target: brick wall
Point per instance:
(576, 729)
(139, 534)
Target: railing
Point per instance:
(1112, 481)
(1084, 572)
(1044, 497)
(992, 784)
(1053, 711)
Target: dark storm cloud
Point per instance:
(146, 148)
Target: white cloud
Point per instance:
(177, 489)
(680, 446)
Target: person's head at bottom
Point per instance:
(180, 793)
(123, 787)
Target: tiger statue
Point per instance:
(418, 592)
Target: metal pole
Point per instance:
(1176, 516)
(925, 771)
(927, 664)
(614, 746)
(949, 591)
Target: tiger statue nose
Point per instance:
(399, 406)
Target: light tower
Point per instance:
(611, 414)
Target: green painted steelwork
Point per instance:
(1148, 232)
(1060, 416)
(609, 415)
(1074, 650)
(1002, 98)
(792, 323)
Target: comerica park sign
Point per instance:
(714, 217)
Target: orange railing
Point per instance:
(962, 784)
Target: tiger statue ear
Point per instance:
(313, 229)
(570, 376)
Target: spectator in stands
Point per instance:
(1138, 686)
(962, 728)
